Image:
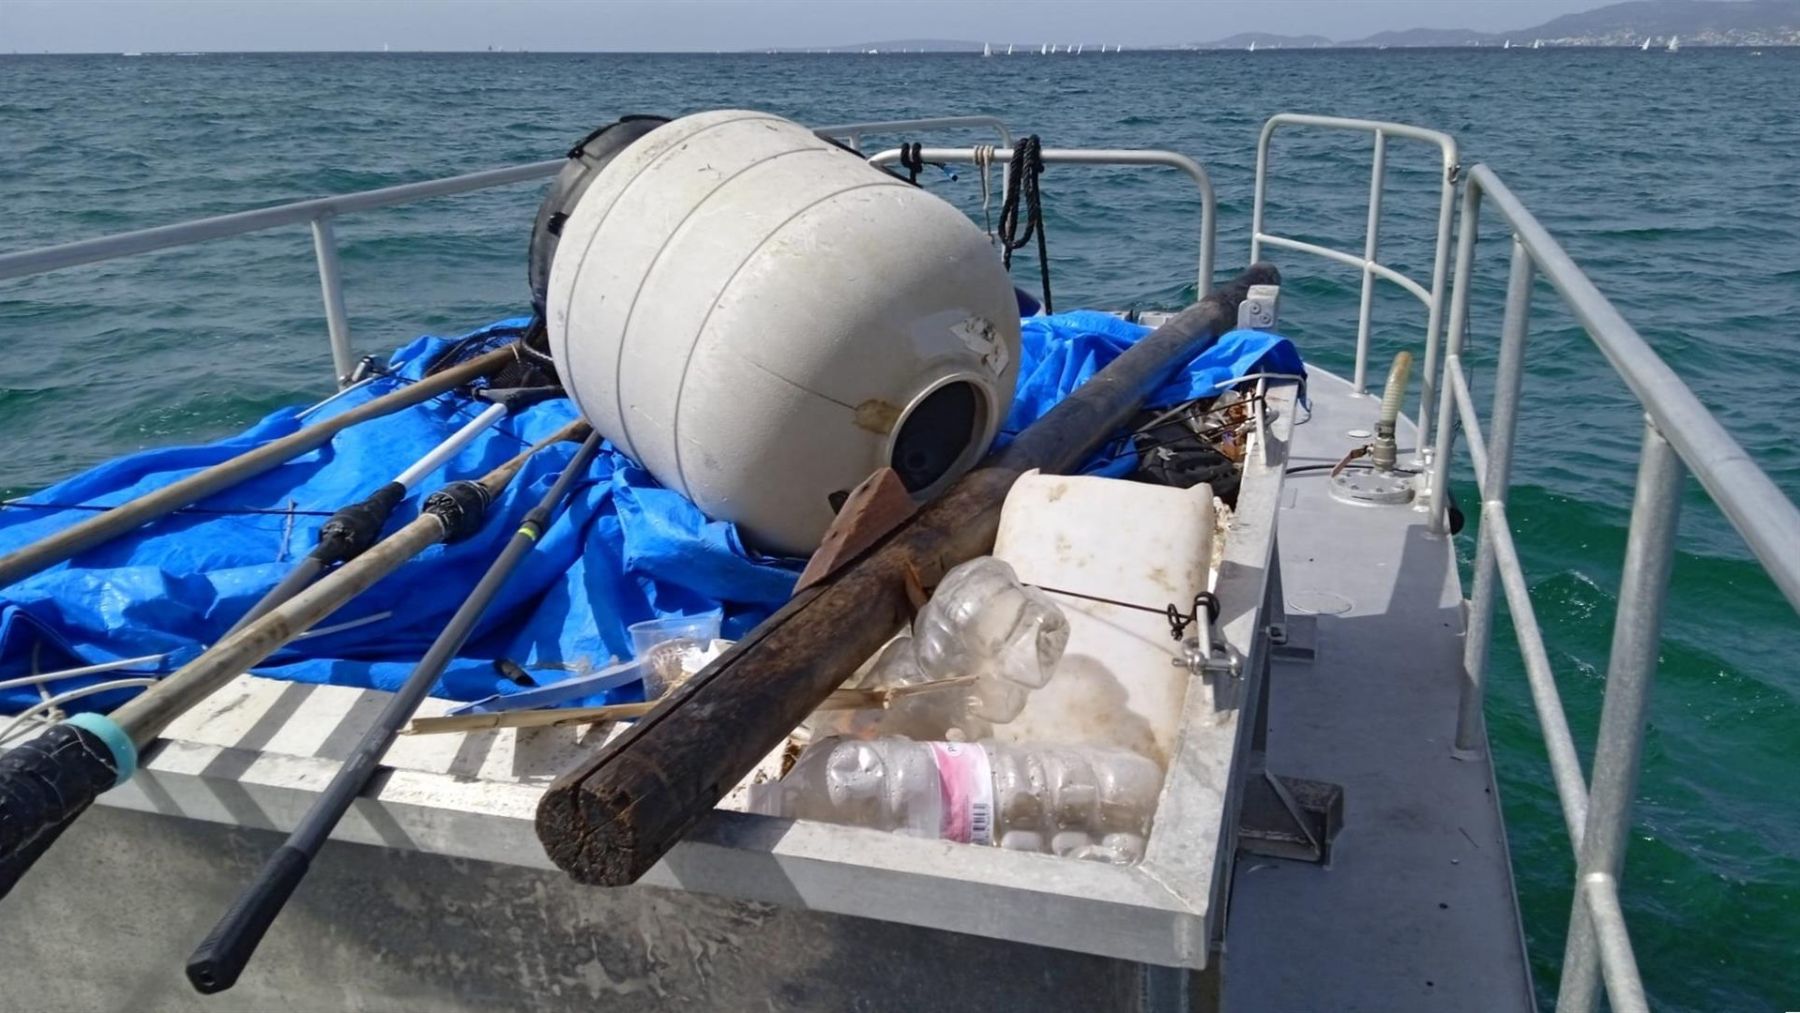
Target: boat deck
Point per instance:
(1416, 910)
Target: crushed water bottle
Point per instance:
(998, 638)
(1086, 802)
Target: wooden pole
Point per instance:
(613, 817)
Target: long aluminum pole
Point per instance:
(1508, 379)
(1637, 636)
(100, 528)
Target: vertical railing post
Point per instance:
(1262, 190)
(1509, 375)
(1371, 247)
(337, 321)
(1637, 636)
(1469, 228)
(1434, 314)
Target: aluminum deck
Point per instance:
(1417, 909)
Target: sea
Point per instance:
(1673, 179)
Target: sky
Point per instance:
(112, 26)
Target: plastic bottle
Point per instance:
(1087, 802)
(981, 624)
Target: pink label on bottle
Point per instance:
(967, 783)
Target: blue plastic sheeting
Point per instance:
(1058, 353)
(624, 548)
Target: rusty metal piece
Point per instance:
(874, 508)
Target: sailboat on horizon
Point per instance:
(1647, 40)
(1252, 48)
(1674, 43)
(987, 50)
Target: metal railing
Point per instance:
(1209, 203)
(852, 133)
(319, 212)
(1680, 437)
(1433, 297)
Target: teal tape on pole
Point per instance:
(108, 731)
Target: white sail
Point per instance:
(987, 50)
(1009, 49)
(1079, 47)
(1537, 43)
(1674, 43)
(1043, 49)
(1647, 42)
(1252, 45)
(1507, 44)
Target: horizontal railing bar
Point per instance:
(88, 251)
(1445, 144)
(1471, 421)
(1624, 986)
(937, 123)
(1559, 743)
(1209, 202)
(1419, 291)
(1768, 522)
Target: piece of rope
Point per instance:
(983, 157)
(1022, 185)
(1179, 621)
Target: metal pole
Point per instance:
(1469, 229)
(1371, 245)
(1434, 319)
(336, 320)
(1637, 634)
(220, 958)
(1508, 378)
(1262, 191)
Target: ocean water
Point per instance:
(1675, 180)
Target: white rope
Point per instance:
(55, 703)
(983, 157)
(40, 678)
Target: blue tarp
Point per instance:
(625, 549)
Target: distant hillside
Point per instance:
(1267, 40)
(1697, 22)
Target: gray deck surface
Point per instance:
(1417, 910)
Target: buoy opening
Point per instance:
(938, 434)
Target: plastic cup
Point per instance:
(661, 643)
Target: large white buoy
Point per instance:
(762, 319)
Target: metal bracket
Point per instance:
(1213, 661)
(1290, 817)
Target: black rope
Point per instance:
(1022, 184)
(1178, 621)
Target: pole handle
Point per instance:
(45, 784)
(221, 956)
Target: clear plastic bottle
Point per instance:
(1088, 802)
(981, 624)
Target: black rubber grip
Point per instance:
(221, 956)
(44, 785)
(356, 527)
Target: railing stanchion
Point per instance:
(1469, 228)
(1508, 378)
(1371, 248)
(1637, 635)
(337, 321)
(1434, 314)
